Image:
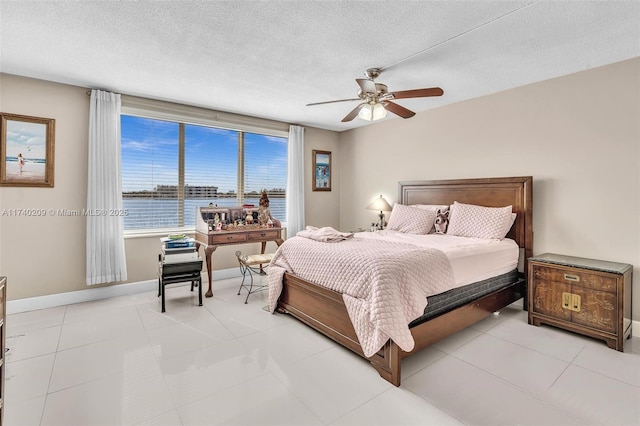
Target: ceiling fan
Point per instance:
(377, 100)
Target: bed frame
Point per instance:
(325, 311)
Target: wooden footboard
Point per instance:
(325, 311)
(320, 308)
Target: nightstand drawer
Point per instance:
(580, 278)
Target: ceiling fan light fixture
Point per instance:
(366, 112)
(372, 112)
(379, 112)
(376, 100)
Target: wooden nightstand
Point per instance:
(586, 296)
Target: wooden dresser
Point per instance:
(586, 296)
(3, 332)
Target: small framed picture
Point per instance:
(26, 150)
(321, 170)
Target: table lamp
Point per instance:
(382, 206)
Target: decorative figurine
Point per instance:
(264, 214)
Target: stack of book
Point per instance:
(174, 243)
(178, 241)
(178, 248)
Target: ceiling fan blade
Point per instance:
(418, 93)
(354, 113)
(399, 110)
(367, 86)
(332, 102)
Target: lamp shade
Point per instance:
(372, 112)
(379, 112)
(379, 204)
(366, 112)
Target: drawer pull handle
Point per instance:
(573, 278)
(263, 235)
(571, 301)
(566, 297)
(576, 301)
(229, 238)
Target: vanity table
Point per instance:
(211, 240)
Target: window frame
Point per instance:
(188, 115)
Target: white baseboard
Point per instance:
(635, 328)
(89, 294)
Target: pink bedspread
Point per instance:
(384, 284)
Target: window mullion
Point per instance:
(181, 175)
(240, 168)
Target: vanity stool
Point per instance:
(250, 265)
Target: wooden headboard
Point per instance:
(488, 192)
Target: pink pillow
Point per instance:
(411, 220)
(468, 220)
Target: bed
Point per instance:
(324, 309)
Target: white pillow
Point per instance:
(468, 220)
(411, 220)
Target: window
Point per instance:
(170, 168)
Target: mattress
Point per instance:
(472, 259)
(439, 304)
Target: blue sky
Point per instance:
(26, 138)
(150, 152)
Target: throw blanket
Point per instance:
(384, 284)
(326, 234)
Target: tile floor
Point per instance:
(121, 362)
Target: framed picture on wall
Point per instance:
(26, 150)
(321, 170)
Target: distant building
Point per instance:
(171, 191)
(200, 191)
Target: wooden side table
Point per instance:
(586, 296)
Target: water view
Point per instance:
(147, 213)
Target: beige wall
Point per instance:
(46, 255)
(322, 208)
(578, 136)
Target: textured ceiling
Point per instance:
(270, 58)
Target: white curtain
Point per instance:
(106, 261)
(295, 181)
